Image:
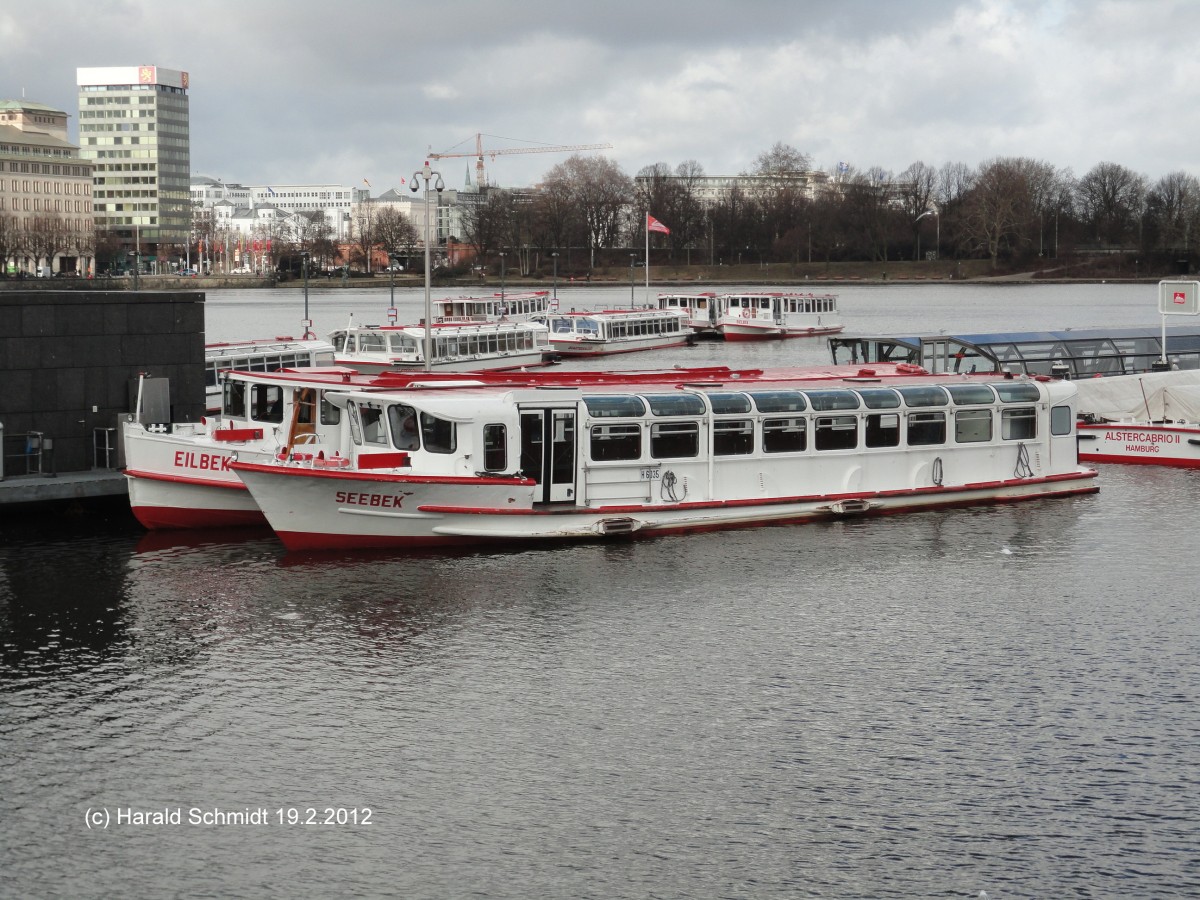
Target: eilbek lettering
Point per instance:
(209, 462)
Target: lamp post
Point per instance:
(307, 324)
(632, 260)
(554, 256)
(503, 254)
(425, 173)
(938, 246)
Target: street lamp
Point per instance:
(426, 174)
(307, 323)
(502, 255)
(632, 260)
(938, 246)
(554, 256)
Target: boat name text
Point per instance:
(1145, 437)
(380, 501)
(210, 462)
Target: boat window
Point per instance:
(616, 442)
(729, 404)
(330, 414)
(779, 401)
(372, 425)
(972, 425)
(601, 407)
(669, 440)
(733, 437)
(338, 339)
(438, 435)
(788, 435)
(1018, 424)
(267, 403)
(882, 430)
(1061, 419)
(371, 342)
(355, 424)
(675, 404)
(835, 432)
(964, 394)
(925, 395)
(879, 398)
(234, 403)
(495, 448)
(925, 428)
(210, 374)
(587, 326)
(827, 400)
(1017, 391)
(403, 421)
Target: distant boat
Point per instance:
(264, 355)
(603, 332)
(518, 307)
(775, 316)
(1145, 419)
(459, 347)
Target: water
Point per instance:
(997, 699)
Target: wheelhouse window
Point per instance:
(926, 428)
(835, 432)
(1018, 424)
(972, 425)
(733, 437)
(788, 435)
(616, 442)
(1062, 419)
(234, 403)
(373, 430)
(403, 421)
(495, 448)
(267, 403)
(438, 435)
(670, 440)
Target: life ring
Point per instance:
(746, 313)
(909, 369)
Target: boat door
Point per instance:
(777, 309)
(548, 452)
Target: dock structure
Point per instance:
(70, 362)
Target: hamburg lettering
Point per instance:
(379, 501)
(209, 462)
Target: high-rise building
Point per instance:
(133, 121)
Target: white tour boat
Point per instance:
(495, 462)
(178, 474)
(457, 347)
(701, 310)
(603, 332)
(758, 317)
(265, 355)
(1147, 419)
(518, 307)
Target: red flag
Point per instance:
(652, 224)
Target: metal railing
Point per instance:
(33, 453)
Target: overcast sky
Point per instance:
(346, 90)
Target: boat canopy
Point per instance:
(1084, 352)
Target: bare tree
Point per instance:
(1111, 199)
(394, 231)
(1173, 211)
(1001, 210)
(599, 191)
(916, 190)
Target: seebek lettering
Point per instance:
(380, 501)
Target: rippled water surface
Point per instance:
(1000, 699)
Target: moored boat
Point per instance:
(1146, 419)
(495, 463)
(701, 309)
(511, 307)
(263, 355)
(774, 316)
(456, 346)
(604, 332)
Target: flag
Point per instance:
(843, 168)
(652, 224)
(402, 181)
(367, 183)
(271, 191)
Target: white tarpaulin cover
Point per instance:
(1152, 396)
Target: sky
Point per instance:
(346, 91)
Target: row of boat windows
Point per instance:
(732, 403)
(614, 329)
(826, 304)
(269, 363)
(449, 345)
(490, 309)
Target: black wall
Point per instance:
(63, 353)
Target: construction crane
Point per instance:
(481, 178)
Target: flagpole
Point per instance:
(647, 259)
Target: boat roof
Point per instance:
(1066, 336)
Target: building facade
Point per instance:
(46, 224)
(134, 125)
